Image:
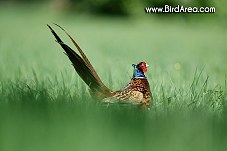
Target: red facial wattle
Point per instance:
(144, 68)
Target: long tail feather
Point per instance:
(82, 67)
(85, 58)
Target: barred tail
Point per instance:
(83, 67)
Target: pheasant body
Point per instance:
(136, 92)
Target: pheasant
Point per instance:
(136, 92)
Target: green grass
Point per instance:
(45, 106)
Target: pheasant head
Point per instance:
(139, 70)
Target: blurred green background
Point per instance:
(45, 106)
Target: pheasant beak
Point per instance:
(147, 65)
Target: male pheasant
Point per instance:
(136, 92)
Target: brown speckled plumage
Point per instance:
(136, 92)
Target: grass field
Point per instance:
(45, 106)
